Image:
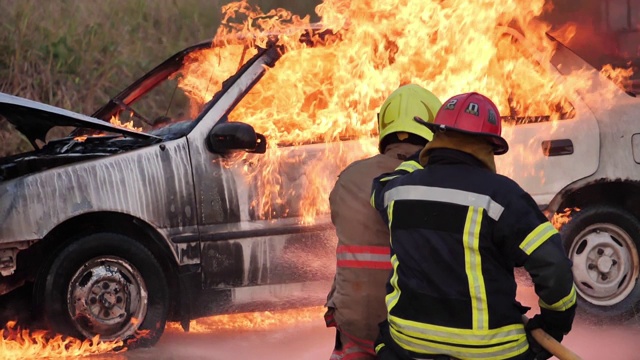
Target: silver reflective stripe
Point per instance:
(363, 257)
(486, 337)
(453, 196)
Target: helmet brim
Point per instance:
(500, 145)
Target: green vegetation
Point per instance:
(76, 54)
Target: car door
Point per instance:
(250, 235)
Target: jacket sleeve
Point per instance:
(381, 184)
(532, 241)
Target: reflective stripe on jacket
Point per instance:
(457, 232)
(363, 257)
(356, 300)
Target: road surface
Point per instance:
(303, 336)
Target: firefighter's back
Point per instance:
(363, 245)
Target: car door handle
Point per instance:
(557, 147)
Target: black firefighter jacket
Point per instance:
(457, 232)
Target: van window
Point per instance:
(530, 78)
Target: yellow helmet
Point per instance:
(397, 112)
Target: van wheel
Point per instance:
(105, 284)
(603, 241)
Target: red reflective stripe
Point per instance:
(363, 343)
(357, 249)
(357, 356)
(365, 264)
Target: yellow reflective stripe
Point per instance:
(390, 216)
(392, 298)
(373, 199)
(564, 303)
(538, 236)
(456, 336)
(473, 268)
(409, 166)
(387, 178)
(380, 346)
(504, 351)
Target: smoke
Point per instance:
(601, 32)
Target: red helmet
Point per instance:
(470, 113)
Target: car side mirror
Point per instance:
(227, 137)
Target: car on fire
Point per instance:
(118, 230)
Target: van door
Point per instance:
(545, 156)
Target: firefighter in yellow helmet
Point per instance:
(356, 301)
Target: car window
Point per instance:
(179, 99)
(164, 104)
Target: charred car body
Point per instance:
(124, 231)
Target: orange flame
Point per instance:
(620, 76)
(559, 219)
(253, 321)
(18, 343)
(115, 120)
(331, 91)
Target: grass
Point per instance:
(76, 54)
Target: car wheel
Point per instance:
(105, 284)
(603, 241)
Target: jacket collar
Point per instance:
(445, 156)
(401, 151)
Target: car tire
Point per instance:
(603, 242)
(105, 284)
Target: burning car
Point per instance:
(201, 188)
(120, 230)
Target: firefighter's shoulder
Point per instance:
(510, 192)
(372, 166)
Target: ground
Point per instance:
(308, 339)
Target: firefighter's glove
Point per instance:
(537, 322)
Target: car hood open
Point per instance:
(35, 119)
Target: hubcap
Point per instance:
(605, 264)
(108, 297)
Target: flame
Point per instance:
(566, 32)
(620, 76)
(329, 89)
(253, 321)
(115, 120)
(81, 138)
(559, 219)
(18, 343)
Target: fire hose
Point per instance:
(551, 345)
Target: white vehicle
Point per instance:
(588, 163)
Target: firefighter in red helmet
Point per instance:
(458, 230)
(356, 301)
